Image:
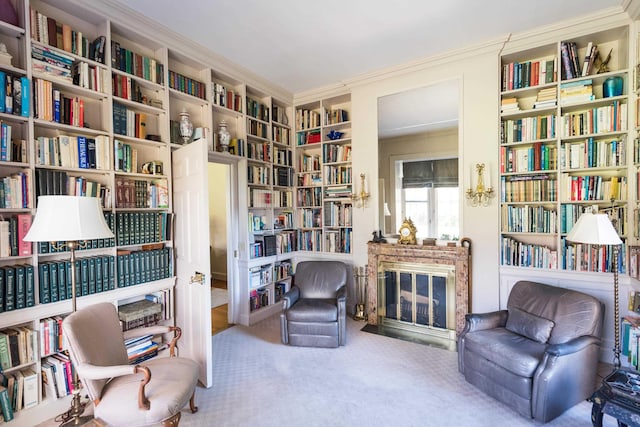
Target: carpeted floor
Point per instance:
(219, 297)
(374, 380)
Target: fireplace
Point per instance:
(419, 289)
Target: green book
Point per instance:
(9, 288)
(21, 291)
(5, 354)
(30, 285)
(53, 282)
(62, 280)
(43, 283)
(92, 275)
(5, 404)
(98, 269)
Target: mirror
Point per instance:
(418, 160)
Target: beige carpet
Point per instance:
(219, 297)
(372, 381)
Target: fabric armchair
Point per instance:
(151, 393)
(314, 310)
(540, 355)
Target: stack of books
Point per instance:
(576, 92)
(509, 105)
(546, 98)
(141, 348)
(139, 314)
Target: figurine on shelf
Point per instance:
(377, 237)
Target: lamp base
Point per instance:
(78, 421)
(75, 413)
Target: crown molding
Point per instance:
(320, 93)
(632, 7)
(146, 27)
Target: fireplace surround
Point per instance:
(423, 289)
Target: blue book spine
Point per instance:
(56, 105)
(3, 93)
(83, 160)
(3, 142)
(26, 97)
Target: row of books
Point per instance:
(337, 115)
(338, 241)
(14, 190)
(93, 275)
(135, 267)
(521, 254)
(283, 219)
(226, 97)
(136, 228)
(257, 174)
(140, 193)
(282, 270)
(310, 137)
(50, 332)
(608, 118)
(279, 115)
(52, 105)
(593, 187)
(57, 376)
(336, 153)
(141, 313)
(282, 198)
(337, 214)
(52, 63)
(254, 128)
(141, 348)
(257, 109)
(260, 276)
(187, 85)
(282, 156)
(569, 214)
(285, 243)
(308, 162)
(596, 258)
(17, 347)
(58, 247)
(528, 129)
(54, 182)
(258, 298)
(283, 176)
(136, 64)
(259, 198)
(15, 95)
(528, 188)
(129, 122)
(279, 289)
(572, 65)
(307, 119)
(337, 174)
(538, 157)
(125, 87)
(309, 197)
(126, 157)
(49, 31)
(18, 391)
(79, 152)
(281, 135)
(528, 219)
(11, 150)
(592, 153)
(17, 287)
(309, 240)
(259, 151)
(12, 232)
(518, 75)
(309, 218)
(576, 92)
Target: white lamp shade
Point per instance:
(68, 218)
(594, 229)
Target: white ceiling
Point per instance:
(303, 45)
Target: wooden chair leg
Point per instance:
(173, 421)
(192, 403)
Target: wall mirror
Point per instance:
(418, 160)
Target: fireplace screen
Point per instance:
(420, 295)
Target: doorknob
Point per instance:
(197, 278)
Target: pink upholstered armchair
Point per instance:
(153, 392)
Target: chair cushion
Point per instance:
(173, 381)
(513, 352)
(313, 310)
(529, 325)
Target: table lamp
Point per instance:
(69, 221)
(597, 229)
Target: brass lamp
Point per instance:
(597, 229)
(69, 221)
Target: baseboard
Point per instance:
(216, 275)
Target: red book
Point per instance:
(24, 223)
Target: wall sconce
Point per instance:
(360, 198)
(480, 195)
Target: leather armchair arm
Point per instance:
(157, 330)
(290, 297)
(341, 294)
(572, 346)
(94, 372)
(481, 321)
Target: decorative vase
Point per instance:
(224, 137)
(186, 127)
(613, 86)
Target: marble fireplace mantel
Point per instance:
(457, 256)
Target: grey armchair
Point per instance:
(151, 393)
(540, 355)
(314, 310)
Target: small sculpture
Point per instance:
(377, 237)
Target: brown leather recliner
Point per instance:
(314, 310)
(540, 355)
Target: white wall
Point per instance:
(218, 175)
(477, 71)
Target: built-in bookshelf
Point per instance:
(324, 175)
(564, 147)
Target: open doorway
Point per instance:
(219, 228)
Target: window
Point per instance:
(431, 198)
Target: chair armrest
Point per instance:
(572, 346)
(290, 297)
(341, 294)
(94, 372)
(156, 330)
(480, 321)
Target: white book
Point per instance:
(49, 388)
(30, 389)
(65, 151)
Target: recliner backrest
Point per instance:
(94, 336)
(320, 279)
(574, 313)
